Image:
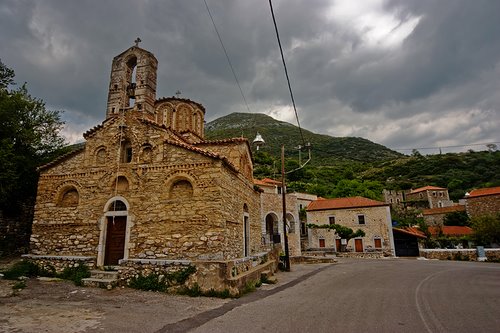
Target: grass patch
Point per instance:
(161, 282)
(19, 285)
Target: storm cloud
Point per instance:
(406, 74)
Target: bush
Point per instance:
(21, 268)
(151, 282)
(75, 274)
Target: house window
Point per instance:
(361, 219)
(331, 220)
(434, 193)
(378, 243)
(440, 194)
(279, 190)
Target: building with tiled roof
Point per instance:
(147, 186)
(483, 201)
(427, 197)
(435, 216)
(371, 216)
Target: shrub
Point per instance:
(75, 274)
(151, 282)
(21, 268)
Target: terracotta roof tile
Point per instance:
(411, 231)
(444, 210)
(267, 182)
(341, 203)
(483, 192)
(427, 188)
(451, 230)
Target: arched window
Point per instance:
(100, 156)
(181, 189)
(69, 198)
(147, 153)
(121, 184)
(117, 205)
(126, 152)
(131, 78)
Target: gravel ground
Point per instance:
(60, 306)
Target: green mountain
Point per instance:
(342, 167)
(326, 150)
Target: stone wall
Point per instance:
(464, 254)
(485, 205)
(59, 263)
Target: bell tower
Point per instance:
(132, 83)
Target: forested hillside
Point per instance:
(355, 166)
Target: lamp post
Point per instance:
(283, 196)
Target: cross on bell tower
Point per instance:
(137, 41)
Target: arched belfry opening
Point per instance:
(132, 84)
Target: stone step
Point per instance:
(100, 283)
(98, 274)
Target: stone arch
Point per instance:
(121, 183)
(290, 220)
(178, 175)
(115, 225)
(101, 155)
(126, 151)
(68, 196)
(272, 227)
(147, 153)
(181, 188)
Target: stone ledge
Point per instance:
(159, 262)
(49, 257)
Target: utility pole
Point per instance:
(283, 195)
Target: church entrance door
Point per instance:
(115, 239)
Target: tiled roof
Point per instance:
(341, 203)
(451, 230)
(77, 149)
(483, 192)
(444, 210)
(203, 152)
(411, 231)
(427, 188)
(267, 182)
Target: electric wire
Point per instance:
(227, 56)
(456, 146)
(286, 72)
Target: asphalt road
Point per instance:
(393, 295)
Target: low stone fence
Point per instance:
(59, 263)
(459, 254)
(329, 251)
(231, 275)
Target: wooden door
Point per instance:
(378, 243)
(115, 240)
(338, 245)
(321, 243)
(246, 237)
(358, 245)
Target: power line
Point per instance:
(456, 146)
(227, 56)
(286, 72)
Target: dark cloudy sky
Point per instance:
(406, 74)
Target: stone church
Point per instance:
(146, 185)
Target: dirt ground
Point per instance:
(60, 306)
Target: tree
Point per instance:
(456, 218)
(29, 137)
(486, 229)
(346, 233)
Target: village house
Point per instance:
(420, 198)
(483, 201)
(371, 216)
(435, 216)
(147, 192)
